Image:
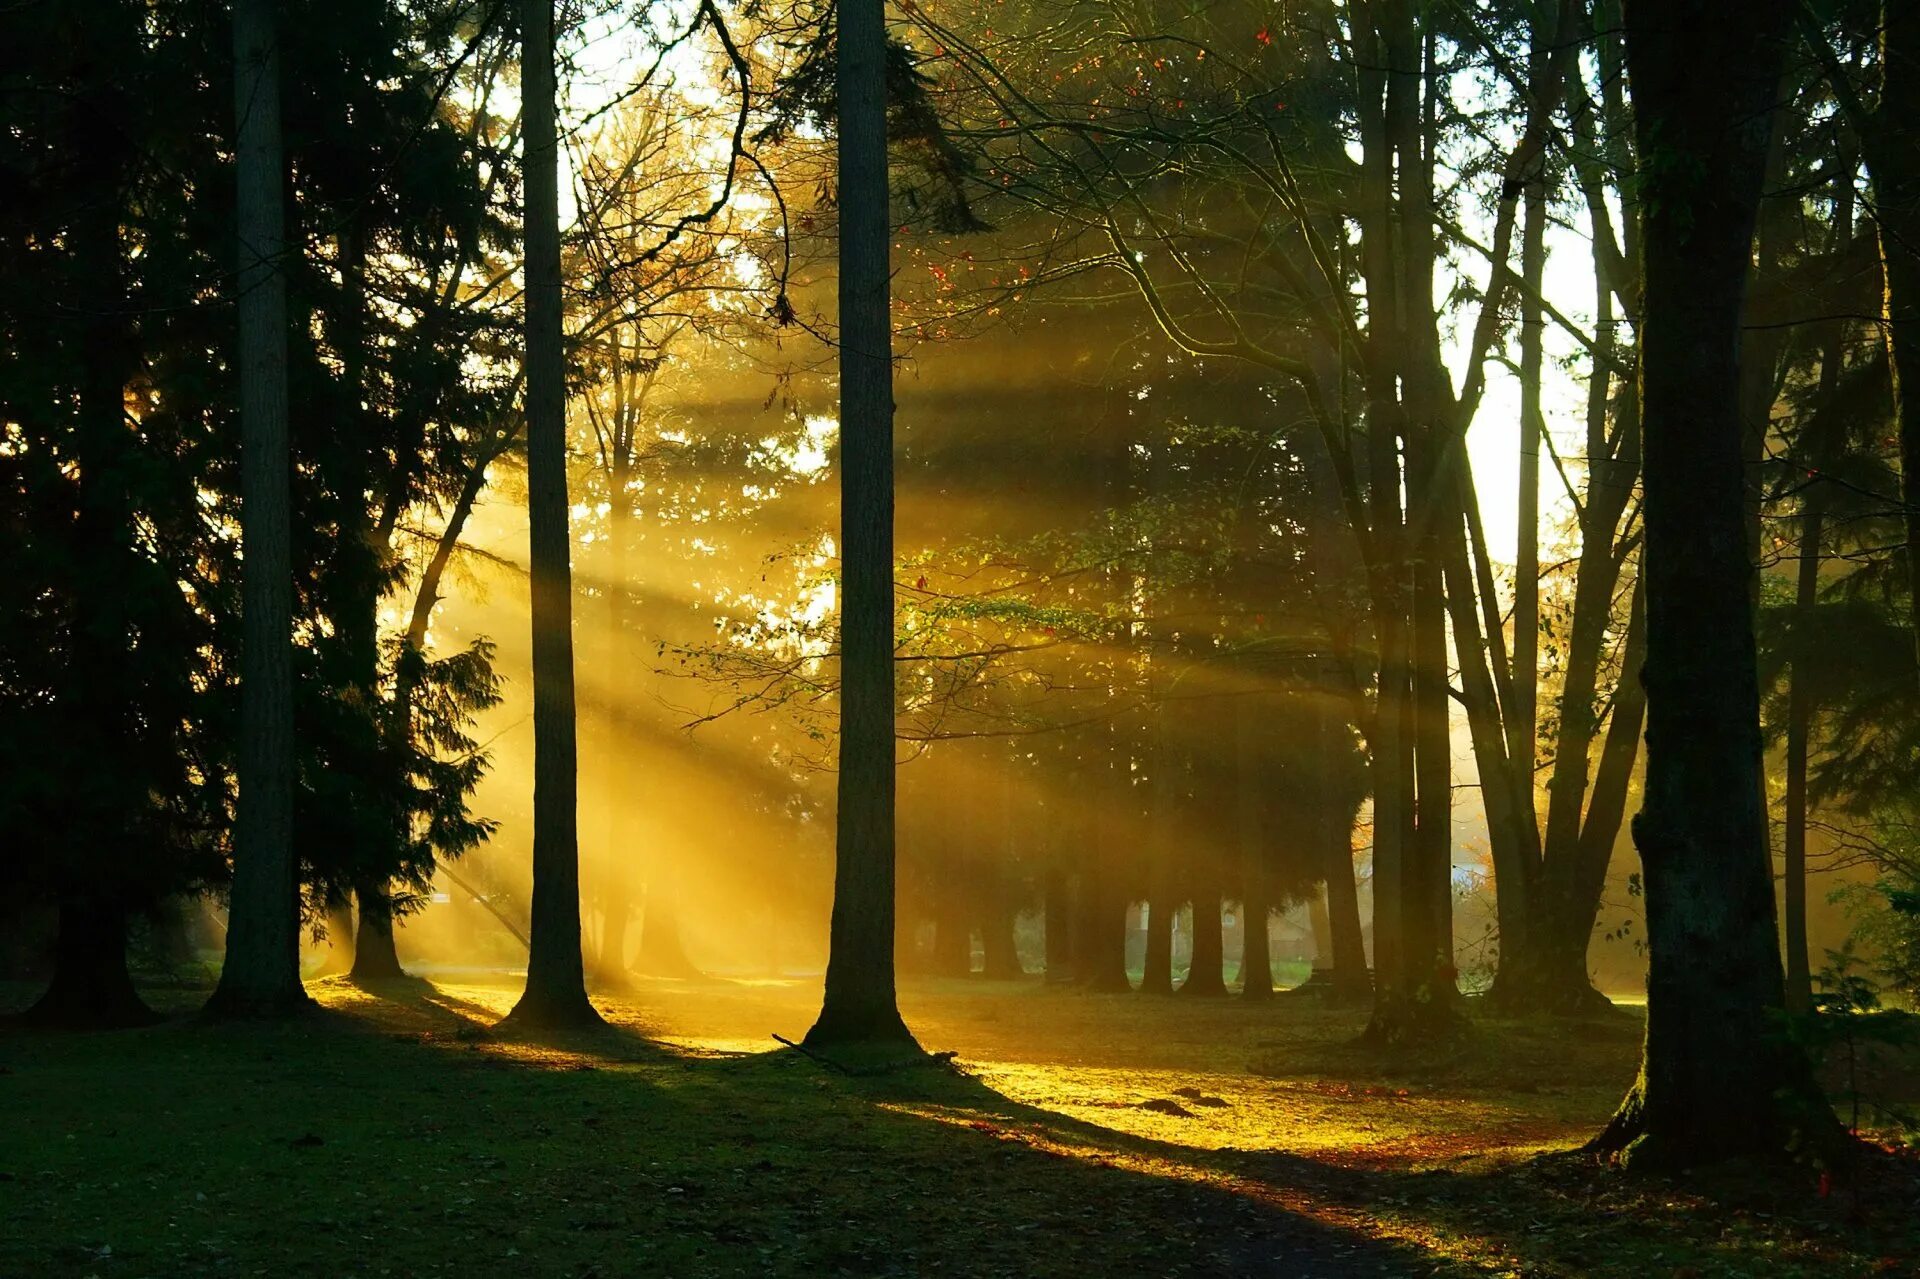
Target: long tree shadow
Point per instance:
(1552, 1213)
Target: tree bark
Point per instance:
(1718, 1080)
(260, 976)
(556, 991)
(1896, 187)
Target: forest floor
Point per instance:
(1074, 1134)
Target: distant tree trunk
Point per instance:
(1156, 977)
(556, 991)
(1320, 924)
(1352, 980)
(1256, 958)
(1101, 958)
(374, 956)
(91, 987)
(952, 939)
(663, 952)
(1206, 974)
(1256, 949)
(1059, 925)
(1000, 954)
(616, 915)
(1799, 988)
(260, 976)
(859, 1004)
(1718, 1080)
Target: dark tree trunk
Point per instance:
(374, 956)
(1206, 975)
(1059, 926)
(91, 988)
(859, 1005)
(1256, 951)
(260, 976)
(1101, 958)
(556, 992)
(1156, 976)
(1799, 987)
(1896, 187)
(1718, 1080)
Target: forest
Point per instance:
(1080, 637)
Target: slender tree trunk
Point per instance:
(261, 973)
(1799, 724)
(91, 987)
(556, 992)
(1718, 1080)
(1352, 980)
(859, 1004)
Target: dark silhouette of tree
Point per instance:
(261, 974)
(1719, 1079)
(556, 993)
(859, 1005)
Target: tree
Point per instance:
(859, 1005)
(1718, 1078)
(261, 972)
(556, 993)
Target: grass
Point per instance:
(1081, 1135)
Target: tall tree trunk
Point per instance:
(261, 973)
(859, 1005)
(556, 992)
(91, 987)
(1799, 724)
(1717, 1080)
